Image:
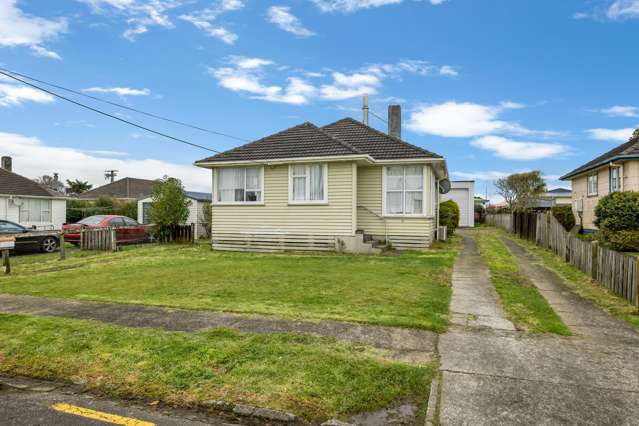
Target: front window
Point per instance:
(35, 210)
(307, 183)
(592, 184)
(239, 185)
(615, 179)
(404, 190)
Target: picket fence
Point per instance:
(616, 271)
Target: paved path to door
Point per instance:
(495, 376)
(402, 344)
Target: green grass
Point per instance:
(411, 290)
(316, 378)
(521, 301)
(584, 285)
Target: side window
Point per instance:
(129, 222)
(116, 222)
(9, 228)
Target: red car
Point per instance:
(127, 230)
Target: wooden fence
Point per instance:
(179, 234)
(616, 271)
(98, 239)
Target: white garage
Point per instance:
(463, 193)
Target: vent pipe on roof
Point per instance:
(365, 110)
(395, 121)
(5, 163)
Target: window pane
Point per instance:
(395, 178)
(299, 170)
(299, 188)
(414, 178)
(394, 202)
(253, 178)
(253, 195)
(414, 202)
(230, 185)
(317, 182)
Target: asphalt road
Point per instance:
(24, 407)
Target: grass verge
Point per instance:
(410, 290)
(584, 285)
(316, 378)
(521, 301)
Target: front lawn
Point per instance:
(411, 290)
(521, 300)
(316, 378)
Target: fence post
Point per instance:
(6, 263)
(63, 254)
(594, 247)
(192, 233)
(636, 283)
(114, 242)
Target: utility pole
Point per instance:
(110, 175)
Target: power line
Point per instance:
(109, 115)
(148, 114)
(377, 116)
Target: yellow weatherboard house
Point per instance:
(344, 186)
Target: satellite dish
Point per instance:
(444, 186)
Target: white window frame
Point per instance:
(424, 188)
(46, 206)
(618, 180)
(596, 181)
(238, 203)
(307, 190)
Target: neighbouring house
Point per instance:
(558, 196)
(463, 193)
(342, 186)
(28, 203)
(199, 200)
(125, 189)
(616, 170)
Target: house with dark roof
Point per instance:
(341, 186)
(28, 203)
(125, 189)
(615, 170)
(197, 208)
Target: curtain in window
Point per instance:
(253, 184)
(35, 210)
(317, 182)
(405, 190)
(230, 184)
(299, 182)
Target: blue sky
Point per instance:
(495, 86)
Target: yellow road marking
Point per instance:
(98, 415)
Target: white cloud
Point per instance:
(621, 111)
(448, 71)
(518, 150)
(120, 91)
(245, 76)
(437, 2)
(620, 135)
(204, 19)
(285, 20)
(346, 86)
(44, 53)
(623, 9)
(346, 6)
(32, 157)
(20, 29)
(140, 14)
(466, 119)
(488, 175)
(12, 94)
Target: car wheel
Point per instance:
(49, 245)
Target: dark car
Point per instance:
(127, 230)
(29, 240)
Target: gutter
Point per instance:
(572, 175)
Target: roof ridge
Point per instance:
(336, 139)
(351, 119)
(611, 153)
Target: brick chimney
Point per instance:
(5, 163)
(395, 121)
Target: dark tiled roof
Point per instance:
(377, 144)
(630, 148)
(14, 184)
(305, 140)
(559, 191)
(130, 188)
(199, 196)
(344, 137)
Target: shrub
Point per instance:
(564, 215)
(449, 215)
(617, 217)
(169, 206)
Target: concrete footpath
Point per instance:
(493, 375)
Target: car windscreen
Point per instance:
(91, 220)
